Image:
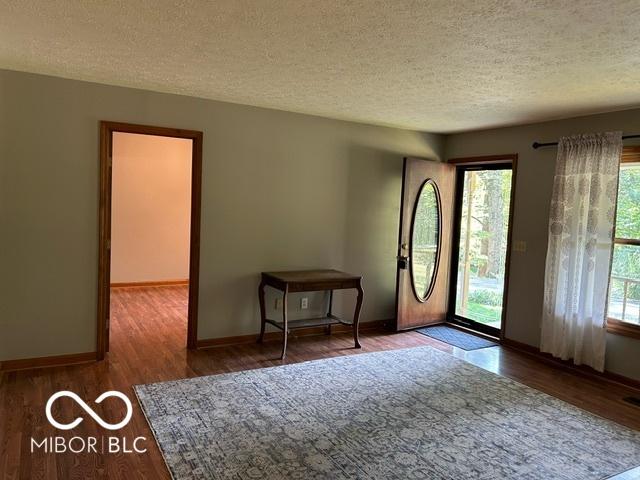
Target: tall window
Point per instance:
(624, 289)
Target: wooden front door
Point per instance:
(424, 244)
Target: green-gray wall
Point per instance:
(280, 191)
(531, 218)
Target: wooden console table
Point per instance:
(309, 281)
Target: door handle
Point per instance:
(403, 262)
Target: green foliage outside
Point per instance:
(483, 313)
(424, 243)
(489, 298)
(626, 258)
(484, 226)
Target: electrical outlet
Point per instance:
(304, 303)
(278, 304)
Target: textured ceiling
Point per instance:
(439, 66)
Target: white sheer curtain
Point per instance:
(581, 226)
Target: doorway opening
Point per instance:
(480, 249)
(150, 183)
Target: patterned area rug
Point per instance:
(404, 414)
(457, 338)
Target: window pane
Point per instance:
(628, 215)
(425, 240)
(624, 292)
(483, 227)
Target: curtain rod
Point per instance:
(537, 145)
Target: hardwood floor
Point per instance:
(148, 345)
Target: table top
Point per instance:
(311, 276)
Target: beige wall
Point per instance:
(280, 191)
(151, 208)
(531, 215)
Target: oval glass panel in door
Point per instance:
(425, 240)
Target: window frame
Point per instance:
(630, 154)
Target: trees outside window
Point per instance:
(483, 245)
(624, 288)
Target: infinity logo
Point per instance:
(89, 410)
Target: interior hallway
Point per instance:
(149, 319)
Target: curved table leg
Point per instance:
(356, 316)
(285, 331)
(327, 329)
(263, 315)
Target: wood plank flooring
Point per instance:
(148, 345)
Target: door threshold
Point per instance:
(486, 336)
